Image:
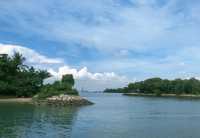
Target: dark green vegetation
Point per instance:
(20, 80)
(160, 86)
(65, 86)
(17, 79)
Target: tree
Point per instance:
(17, 79)
(68, 79)
(160, 86)
(65, 86)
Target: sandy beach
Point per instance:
(22, 100)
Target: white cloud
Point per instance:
(84, 78)
(108, 25)
(168, 31)
(31, 55)
(90, 81)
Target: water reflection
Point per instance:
(112, 116)
(28, 121)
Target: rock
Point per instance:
(67, 100)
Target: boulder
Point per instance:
(67, 100)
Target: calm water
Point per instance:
(113, 116)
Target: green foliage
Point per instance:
(17, 79)
(68, 79)
(160, 86)
(48, 91)
(65, 86)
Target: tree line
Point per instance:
(160, 86)
(20, 80)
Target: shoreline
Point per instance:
(18, 100)
(61, 100)
(163, 95)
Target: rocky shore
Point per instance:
(60, 100)
(163, 95)
(64, 100)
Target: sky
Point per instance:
(104, 43)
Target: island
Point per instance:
(161, 87)
(22, 83)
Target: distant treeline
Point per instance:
(20, 80)
(160, 86)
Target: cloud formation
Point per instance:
(84, 79)
(109, 25)
(136, 38)
(32, 56)
(90, 81)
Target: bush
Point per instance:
(57, 88)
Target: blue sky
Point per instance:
(134, 39)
